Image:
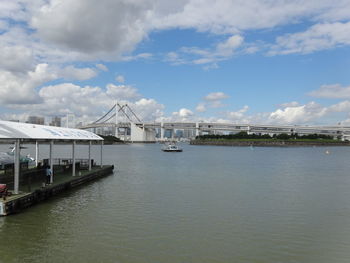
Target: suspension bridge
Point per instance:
(122, 122)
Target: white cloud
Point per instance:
(15, 58)
(289, 104)
(231, 16)
(69, 98)
(182, 115)
(39, 36)
(87, 103)
(120, 79)
(174, 58)
(336, 12)
(226, 48)
(291, 113)
(201, 107)
(22, 117)
(56, 31)
(122, 92)
(73, 73)
(343, 106)
(102, 67)
(211, 66)
(25, 83)
(238, 115)
(212, 100)
(216, 96)
(3, 25)
(148, 109)
(184, 112)
(114, 27)
(216, 104)
(20, 88)
(12, 9)
(298, 114)
(136, 57)
(199, 56)
(317, 37)
(334, 91)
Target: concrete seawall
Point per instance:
(267, 143)
(16, 203)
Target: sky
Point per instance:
(234, 61)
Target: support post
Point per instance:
(89, 155)
(144, 134)
(73, 158)
(36, 153)
(17, 165)
(101, 153)
(51, 162)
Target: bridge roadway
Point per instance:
(250, 128)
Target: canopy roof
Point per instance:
(17, 130)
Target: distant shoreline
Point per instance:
(268, 143)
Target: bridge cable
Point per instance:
(105, 114)
(121, 109)
(133, 113)
(113, 115)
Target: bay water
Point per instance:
(206, 204)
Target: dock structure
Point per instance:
(16, 203)
(27, 186)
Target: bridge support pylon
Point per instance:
(197, 129)
(141, 134)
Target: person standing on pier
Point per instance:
(48, 174)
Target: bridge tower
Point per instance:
(116, 132)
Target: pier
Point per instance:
(38, 193)
(24, 186)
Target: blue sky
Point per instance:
(256, 61)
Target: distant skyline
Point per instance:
(252, 61)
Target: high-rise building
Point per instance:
(179, 133)
(36, 120)
(56, 121)
(190, 133)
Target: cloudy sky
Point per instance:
(240, 61)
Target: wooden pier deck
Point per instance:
(37, 193)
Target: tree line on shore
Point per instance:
(281, 136)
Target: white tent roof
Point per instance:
(18, 130)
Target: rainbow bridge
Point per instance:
(132, 129)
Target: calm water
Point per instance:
(207, 204)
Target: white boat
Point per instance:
(8, 158)
(171, 148)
